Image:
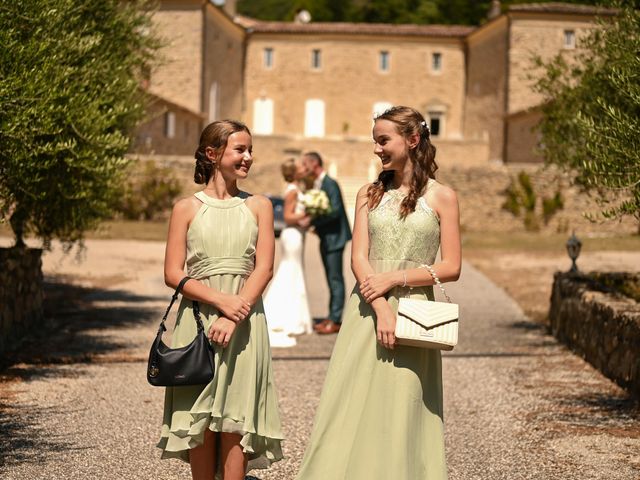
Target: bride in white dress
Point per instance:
(285, 303)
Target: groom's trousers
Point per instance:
(332, 262)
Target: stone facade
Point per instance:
(295, 81)
(178, 77)
(223, 66)
(170, 129)
(21, 293)
(486, 87)
(538, 34)
(602, 327)
(223, 72)
(349, 81)
(522, 138)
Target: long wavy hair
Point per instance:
(214, 135)
(408, 122)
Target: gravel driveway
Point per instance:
(77, 406)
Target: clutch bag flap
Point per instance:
(427, 313)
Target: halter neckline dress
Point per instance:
(241, 398)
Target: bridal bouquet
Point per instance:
(316, 202)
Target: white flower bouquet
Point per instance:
(316, 202)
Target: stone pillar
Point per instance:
(20, 293)
(494, 9)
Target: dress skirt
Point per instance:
(380, 414)
(240, 399)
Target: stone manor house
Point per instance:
(306, 85)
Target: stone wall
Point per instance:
(21, 294)
(602, 327)
(480, 193)
(479, 187)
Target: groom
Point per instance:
(334, 232)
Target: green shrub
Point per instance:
(150, 192)
(521, 201)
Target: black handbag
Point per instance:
(189, 365)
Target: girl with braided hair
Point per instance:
(225, 238)
(380, 413)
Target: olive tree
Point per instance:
(70, 96)
(591, 116)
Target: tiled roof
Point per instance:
(354, 28)
(561, 7)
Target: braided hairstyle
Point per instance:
(408, 122)
(214, 135)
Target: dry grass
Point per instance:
(523, 264)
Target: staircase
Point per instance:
(350, 187)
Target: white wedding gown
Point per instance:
(285, 303)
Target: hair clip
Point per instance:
(425, 127)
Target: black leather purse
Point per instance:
(189, 365)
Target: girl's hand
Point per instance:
(376, 285)
(233, 307)
(221, 331)
(386, 326)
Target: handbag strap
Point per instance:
(433, 274)
(174, 297)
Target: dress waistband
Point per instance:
(207, 267)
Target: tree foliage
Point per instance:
(451, 12)
(591, 117)
(69, 97)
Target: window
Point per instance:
(268, 57)
(170, 125)
(263, 116)
(436, 62)
(314, 118)
(316, 59)
(569, 39)
(436, 123)
(384, 61)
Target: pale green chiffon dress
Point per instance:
(241, 398)
(380, 414)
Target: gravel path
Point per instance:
(77, 406)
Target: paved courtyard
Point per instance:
(77, 406)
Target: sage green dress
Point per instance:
(241, 398)
(380, 414)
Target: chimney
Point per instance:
(230, 7)
(302, 16)
(494, 9)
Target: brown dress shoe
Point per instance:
(329, 328)
(321, 324)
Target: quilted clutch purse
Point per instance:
(427, 324)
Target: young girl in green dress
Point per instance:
(226, 238)
(380, 414)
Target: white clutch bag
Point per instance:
(427, 324)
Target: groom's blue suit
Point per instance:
(334, 232)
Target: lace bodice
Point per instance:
(415, 239)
